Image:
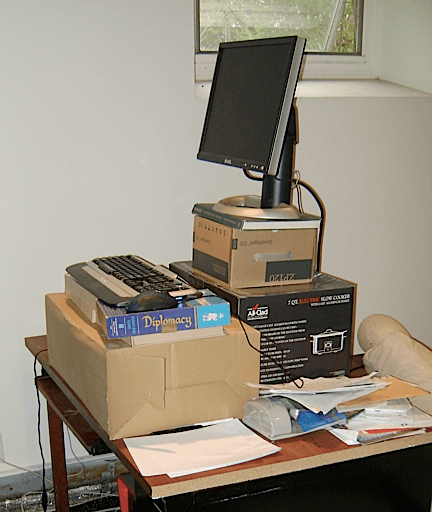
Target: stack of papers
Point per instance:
(223, 444)
(376, 408)
(383, 420)
(324, 394)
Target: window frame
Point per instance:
(317, 66)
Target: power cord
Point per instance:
(287, 377)
(74, 454)
(44, 490)
(297, 183)
(24, 469)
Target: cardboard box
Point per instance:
(307, 328)
(137, 390)
(252, 258)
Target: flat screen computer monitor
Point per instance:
(250, 117)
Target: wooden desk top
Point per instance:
(305, 452)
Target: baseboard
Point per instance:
(98, 469)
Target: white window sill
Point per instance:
(338, 89)
(355, 88)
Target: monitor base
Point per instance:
(250, 206)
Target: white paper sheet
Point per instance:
(416, 419)
(378, 421)
(324, 393)
(321, 384)
(182, 453)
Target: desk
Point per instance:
(311, 472)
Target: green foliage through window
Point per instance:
(329, 26)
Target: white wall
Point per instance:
(406, 43)
(374, 177)
(99, 131)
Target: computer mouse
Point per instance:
(151, 300)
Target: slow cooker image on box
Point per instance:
(328, 342)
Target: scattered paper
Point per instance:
(382, 421)
(193, 451)
(349, 437)
(352, 437)
(387, 419)
(397, 389)
(324, 393)
(366, 438)
(318, 385)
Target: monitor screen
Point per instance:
(250, 103)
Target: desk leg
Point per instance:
(58, 460)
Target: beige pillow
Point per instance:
(390, 350)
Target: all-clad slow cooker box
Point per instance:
(132, 391)
(249, 255)
(307, 327)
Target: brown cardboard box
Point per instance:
(137, 390)
(252, 258)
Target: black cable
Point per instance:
(321, 207)
(248, 174)
(314, 194)
(319, 202)
(288, 378)
(44, 490)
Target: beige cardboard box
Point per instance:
(137, 390)
(252, 258)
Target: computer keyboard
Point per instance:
(116, 279)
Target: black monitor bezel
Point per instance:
(272, 161)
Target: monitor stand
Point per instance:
(273, 204)
(250, 206)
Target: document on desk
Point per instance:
(193, 451)
(324, 393)
(385, 420)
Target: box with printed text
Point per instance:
(197, 315)
(269, 256)
(306, 330)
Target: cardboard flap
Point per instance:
(129, 391)
(397, 389)
(127, 374)
(216, 400)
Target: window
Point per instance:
(333, 29)
(328, 25)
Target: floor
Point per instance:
(31, 503)
(109, 504)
